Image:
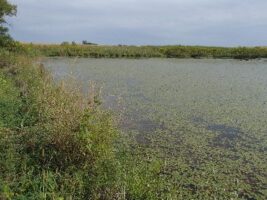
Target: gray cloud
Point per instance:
(192, 22)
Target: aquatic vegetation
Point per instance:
(194, 129)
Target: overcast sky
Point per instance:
(191, 22)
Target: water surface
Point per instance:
(228, 92)
(194, 112)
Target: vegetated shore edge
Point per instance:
(54, 143)
(123, 51)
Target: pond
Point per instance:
(199, 112)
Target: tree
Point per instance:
(64, 43)
(6, 9)
(85, 42)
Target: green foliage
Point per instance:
(6, 9)
(85, 42)
(146, 51)
(52, 144)
(9, 103)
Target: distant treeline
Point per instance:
(122, 51)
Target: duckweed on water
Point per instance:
(198, 125)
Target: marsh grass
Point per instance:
(94, 51)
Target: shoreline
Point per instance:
(139, 52)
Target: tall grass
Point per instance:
(53, 145)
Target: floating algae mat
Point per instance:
(205, 118)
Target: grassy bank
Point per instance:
(95, 51)
(55, 144)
